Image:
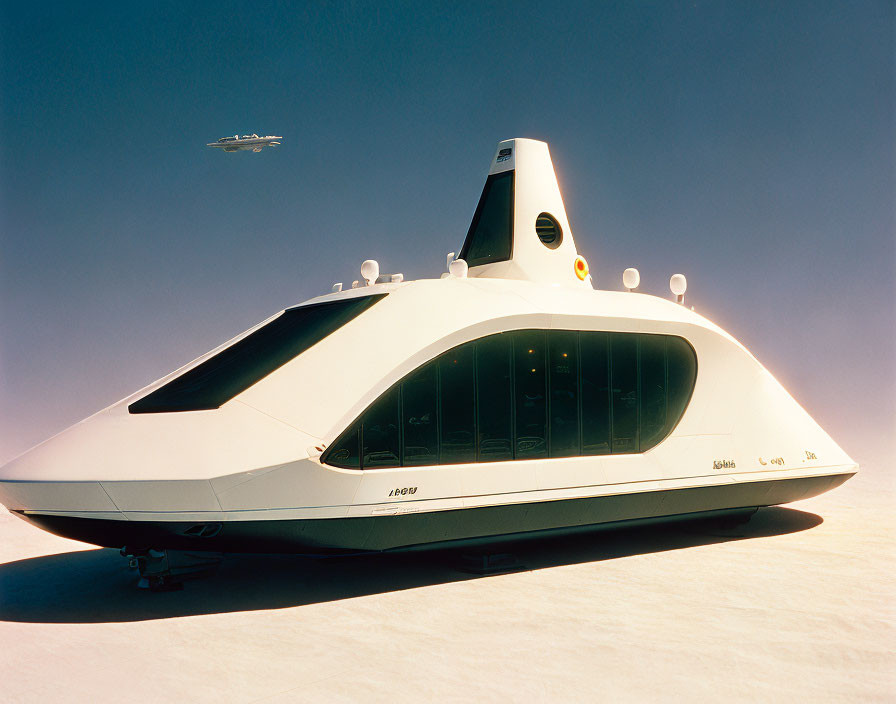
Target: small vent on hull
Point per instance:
(203, 530)
(548, 231)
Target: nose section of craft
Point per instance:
(163, 457)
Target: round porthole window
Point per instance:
(548, 231)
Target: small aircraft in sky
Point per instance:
(245, 143)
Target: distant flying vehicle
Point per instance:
(245, 143)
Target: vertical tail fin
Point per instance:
(520, 229)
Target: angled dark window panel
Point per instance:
(233, 370)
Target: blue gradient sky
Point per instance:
(748, 145)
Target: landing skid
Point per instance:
(167, 570)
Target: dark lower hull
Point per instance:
(377, 533)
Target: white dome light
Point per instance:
(458, 268)
(678, 284)
(370, 270)
(631, 278)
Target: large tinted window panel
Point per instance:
(530, 393)
(233, 370)
(595, 365)
(379, 432)
(563, 382)
(653, 390)
(420, 422)
(682, 365)
(345, 451)
(490, 238)
(624, 376)
(493, 398)
(458, 433)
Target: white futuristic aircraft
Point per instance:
(245, 143)
(506, 397)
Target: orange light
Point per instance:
(564, 354)
(581, 268)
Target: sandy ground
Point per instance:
(797, 604)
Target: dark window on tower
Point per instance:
(594, 347)
(530, 394)
(457, 405)
(493, 398)
(490, 237)
(563, 375)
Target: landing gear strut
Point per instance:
(166, 570)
